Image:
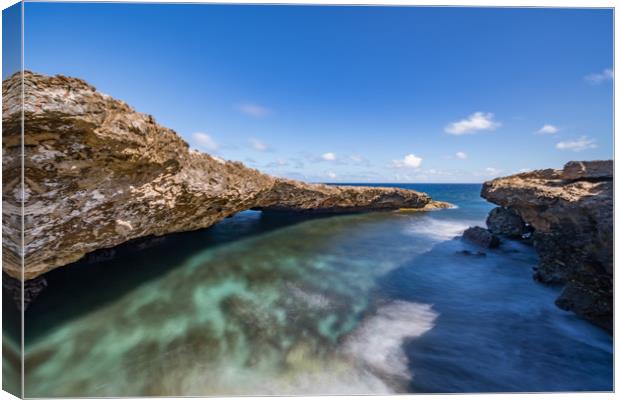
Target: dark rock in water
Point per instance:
(470, 253)
(571, 214)
(32, 289)
(481, 237)
(593, 306)
(552, 267)
(505, 221)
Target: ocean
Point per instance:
(276, 303)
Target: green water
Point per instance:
(267, 311)
(272, 304)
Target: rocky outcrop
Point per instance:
(97, 174)
(481, 237)
(505, 222)
(571, 214)
(588, 170)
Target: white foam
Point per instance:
(378, 342)
(438, 229)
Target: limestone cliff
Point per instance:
(571, 213)
(97, 174)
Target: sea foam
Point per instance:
(378, 342)
(438, 229)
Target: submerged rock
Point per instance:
(98, 174)
(506, 222)
(571, 212)
(481, 237)
(591, 305)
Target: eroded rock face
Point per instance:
(584, 170)
(98, 173)
(506, 222)
(571, 211)
(30, 290)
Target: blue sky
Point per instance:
(350, 94)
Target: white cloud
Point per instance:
(329, 157)
(461, 155)
(525, 170)
(205, 142)
(580, 144)
(548, 129)
(600, 77)
(258, 145)
(409, 161)
(254, 110)
(478, 121)
(332, 175)
(356, 158)
(488, 172)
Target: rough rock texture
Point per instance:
(432, 206)
(571, 212)
(588, 170)
(506, 222)
(98, 173)
(30, 288)
(481, 237)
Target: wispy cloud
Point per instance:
(461, 155)
(580, 144)
(423, 175)
(600, 77)
(205, 142)
(548, 129)
(490, 171)
(331, 175)
(293, 163)
(278, 163)
(254, 110)
(329, 157)
(357, 158)
(478, 121)
(258, 145)
(409, 161)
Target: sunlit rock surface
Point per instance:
(98, 173)
(571, 211)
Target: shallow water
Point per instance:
(279, 304)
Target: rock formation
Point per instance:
(97, 174)
(505, 222)
(481, 237)
(571, 214)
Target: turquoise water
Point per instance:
(266, 303)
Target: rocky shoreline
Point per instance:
(567, 215)
(99, 174)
